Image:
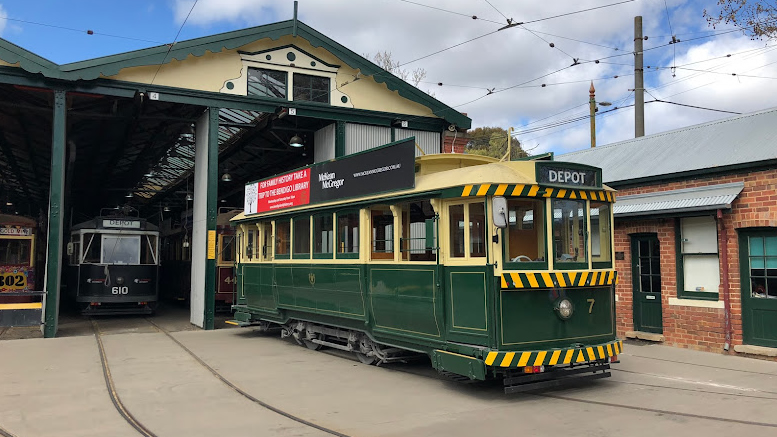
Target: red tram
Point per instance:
(17, 254)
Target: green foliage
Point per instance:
(756, 18)
(492, 141)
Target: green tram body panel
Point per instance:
(415, 305)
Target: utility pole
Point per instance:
(592, 104)
(639, 82)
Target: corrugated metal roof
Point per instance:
(737, 140)
(686, 200)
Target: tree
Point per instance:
(492, 141)
(385, 61)
(756, 18)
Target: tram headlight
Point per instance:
(564, 308)
(120, 280)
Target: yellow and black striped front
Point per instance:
(524, 190)
(554, 357)
(524, 280)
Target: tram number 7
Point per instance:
(591, 307)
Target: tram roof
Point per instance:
(17, 220)
(435, 173)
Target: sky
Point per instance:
(513, 63)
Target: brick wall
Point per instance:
(685, 326)
(454, 143)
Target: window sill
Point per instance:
(673, 301)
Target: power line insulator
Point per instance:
(474, 17)
(552, 45)
(90, 32)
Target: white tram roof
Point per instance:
(438, 172)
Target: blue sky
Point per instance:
(498, 61)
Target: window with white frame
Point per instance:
(699, 257)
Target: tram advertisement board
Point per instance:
(384, 169)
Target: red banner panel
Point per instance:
(285, 191)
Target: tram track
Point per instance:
(5, 433)
(143, 430)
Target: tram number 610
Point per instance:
(120, 290)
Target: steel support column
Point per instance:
(53, 273)
(203, 298)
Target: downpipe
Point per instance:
(726, 299)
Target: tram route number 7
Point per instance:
(591, 307)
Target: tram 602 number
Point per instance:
(13, 280)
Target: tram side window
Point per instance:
(382, 232)
(456, 223)
(92, 248)
(419, 232)
(282, 238)
(302, 237)
(266, 248)
(148, 249)
(601, 238)
(15, 252)
(250, 244)
(323, 231)
(227, 253)
(348, 233)
(569, 231)
(477, 230)
(525, 239)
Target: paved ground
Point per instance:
(56, 388)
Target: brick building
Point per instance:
(696, 233)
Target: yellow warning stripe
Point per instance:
(21, 306)
(555, 356)
(467, 190)
(500, 190)
(483, 189)
(518, 190)
(516, 280)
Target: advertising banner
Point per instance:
(384, 169)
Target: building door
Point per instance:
(646, 274)
(758, 267)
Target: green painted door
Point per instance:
(646, 283)
(466, 304)
(758, 267)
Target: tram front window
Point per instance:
(15, 252)
(92, 245)
(525, 239)
(121, 250)
(569, 231)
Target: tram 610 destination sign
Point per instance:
(388, 168)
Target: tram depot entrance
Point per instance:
(131, 150)
(646, 277)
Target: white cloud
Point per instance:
(515, 55)
(3, 21)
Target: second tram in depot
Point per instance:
(492, 269)
(177, 260)
(114, 264)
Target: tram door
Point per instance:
(646, 274)
(466, 273)
(758, 267)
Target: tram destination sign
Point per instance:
(388, 168)
(15, 231)
(555, 174)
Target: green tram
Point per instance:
(492, 269)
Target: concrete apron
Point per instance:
(55, 387)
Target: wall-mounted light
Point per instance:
(189, 196)
(166, 209)
(296, 141)
(226, 177)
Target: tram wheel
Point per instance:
(368, 360)
(310, 345)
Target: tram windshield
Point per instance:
(15, 252)
(121, 249)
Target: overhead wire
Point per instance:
(86, 31)
(170, 47)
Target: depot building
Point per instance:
(174, 132)
(696, 233)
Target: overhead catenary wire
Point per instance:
(86, 31)
(174, 41)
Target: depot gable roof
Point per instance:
(111, 65)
